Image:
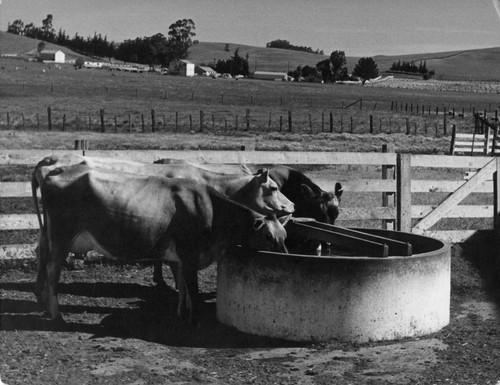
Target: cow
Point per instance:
(309, 199)
(133, 217)
(258, 192)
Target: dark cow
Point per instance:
(134, 217)
(310, 201)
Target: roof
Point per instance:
(50, 51)
(270, 73)
(206, 69)
(185, 61)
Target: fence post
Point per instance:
(8, 120)
(331, 122)
(388, 197)
(142, 123)
(176, 121)
(371, 124)
(64, 122)
(247, 118)
(496, 199)
(49, 118)
(289, 121)
(153, 120)
(102, 119)
(452, 142)
(201, 120)
(81, 144)
(403, 183)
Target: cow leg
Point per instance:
(54, 265)
(158, 274)
(192, 294)
(42, 253)
(188, 293)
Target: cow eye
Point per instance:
(274, 188)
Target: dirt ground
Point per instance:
(122, 330)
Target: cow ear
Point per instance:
(284, 219)
(306, 191)
(264, 176)
(338, 190)
(258, 224)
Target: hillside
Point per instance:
(20, 45)
(480, 64)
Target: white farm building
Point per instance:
(182, 67)
(265, 75)
(48, 55)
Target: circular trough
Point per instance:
(355, 299)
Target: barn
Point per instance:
(265, 75)
(182, 67)
(48, 55)
(204, 71)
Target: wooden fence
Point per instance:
(395, 185)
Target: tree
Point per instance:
(338, 65)
(324, 68)
(16, 28)
(366, 69)
(226, 47)
(40, 47)
(47, 29)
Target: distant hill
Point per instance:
(14, 44)
(480, 64)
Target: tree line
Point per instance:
(285, 44)
(404, 66)
(334, 69)
(153, 50)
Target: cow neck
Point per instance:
(235, 218)
(227, 184)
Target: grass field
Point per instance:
(76, 98)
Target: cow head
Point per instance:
(323, 206)
(262, 194)
(268, 233)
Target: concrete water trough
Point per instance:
(391, 285)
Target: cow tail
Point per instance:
(34, 186)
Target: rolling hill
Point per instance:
(480, 64)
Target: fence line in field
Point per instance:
(278, 121)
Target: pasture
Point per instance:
(122, 331)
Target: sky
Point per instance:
(357, 27)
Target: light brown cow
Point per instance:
(134, 217)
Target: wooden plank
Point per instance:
(419, 186)
(366, 213)
(18, 222)
(32, 157)
(395, 247)
(15, 189)
(404, 192)
(455, 198)
(447, 161)
(23, 189)
(461, 211)
(360, 245)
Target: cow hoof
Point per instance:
(58, 323)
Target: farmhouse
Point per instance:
(53, 56)
(182, 67)
(265, 75)
(204, 71)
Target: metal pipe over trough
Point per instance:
(391, 295)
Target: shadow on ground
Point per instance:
(150, 315)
